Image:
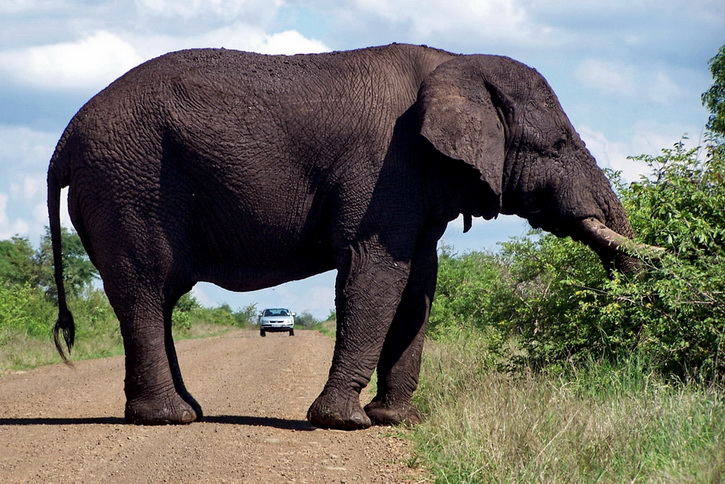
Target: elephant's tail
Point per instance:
(65, 323)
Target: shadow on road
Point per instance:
(278, 423)
(61, 421)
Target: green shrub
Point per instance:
(247, 316)
(551, 298)
(306, 320)
(678, 306)
(473, 290)
(24, 309)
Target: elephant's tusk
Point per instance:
(605, 238)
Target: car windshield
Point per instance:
(276, 312)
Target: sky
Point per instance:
(629, 73)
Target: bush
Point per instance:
(306, 320)
(473, 291)
(24, 309)
(678, 306)
(182, 314)
(189, 312)
(247, 316)
(552, 298)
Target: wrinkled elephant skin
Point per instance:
(248, 170)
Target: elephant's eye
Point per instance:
(560, 144)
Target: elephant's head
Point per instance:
(502, 119)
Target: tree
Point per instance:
(714, 98)
(78, 271)
(246, 316)
(16, 262)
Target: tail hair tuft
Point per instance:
(66, 326)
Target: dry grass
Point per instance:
(602, 424)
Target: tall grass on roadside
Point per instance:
(602, 422)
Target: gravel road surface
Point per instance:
(59, 424)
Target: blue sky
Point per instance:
(628, 73)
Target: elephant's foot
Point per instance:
(382, 414)
(162, 410)
(188, 398)
(334, 409)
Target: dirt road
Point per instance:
(65, 425)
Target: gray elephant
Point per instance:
(248, 170)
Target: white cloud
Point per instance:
(300, 297)
(97, 59)
(612, 154)
(483, 20)
(20, 6)
(22, 147)
(64, 216)
(28, 188)
(622, 79)
(663, 90)
(201, 296)
(24, 156)
(289, 42)
(645, 139)
(193, 9)
(321, 299)
(8, 226)
(91, 61)
(236, 36)
(609, 77)
(40, 213)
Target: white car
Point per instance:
(276, 319)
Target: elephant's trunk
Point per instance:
(615, 249)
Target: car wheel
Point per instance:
(262, 333)
(291, 332)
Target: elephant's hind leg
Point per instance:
(400, 358)
(155, 393)
(174, 363)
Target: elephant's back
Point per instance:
(324, 69)
(234, 84)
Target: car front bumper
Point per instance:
(272, 329)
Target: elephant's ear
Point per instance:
(463, 117)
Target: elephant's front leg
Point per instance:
(368, 289)
(399, 363)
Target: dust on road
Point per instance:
(59, 424)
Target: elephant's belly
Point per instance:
(261, 242)
(251, 278)
(248, 264)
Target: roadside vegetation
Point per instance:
(600, 421)
(540, 368)
(28, 307)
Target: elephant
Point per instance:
(248, 170)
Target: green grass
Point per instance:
(328, 328)
(27, 318)
(599, 423)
